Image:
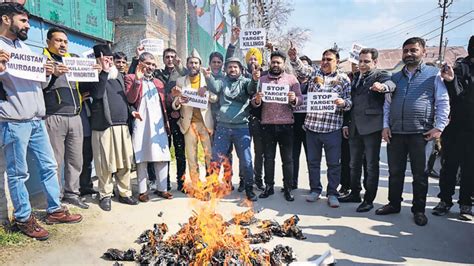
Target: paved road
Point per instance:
(353, 238)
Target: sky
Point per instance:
(381, 24)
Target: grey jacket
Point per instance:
(23, 98)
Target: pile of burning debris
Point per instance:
(195, 244)
(207, 239)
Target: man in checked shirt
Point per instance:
(323, 130)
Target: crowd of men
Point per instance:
(133, 115)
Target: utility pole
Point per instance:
(181, 28)
(444, 5)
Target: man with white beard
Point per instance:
(111, 140)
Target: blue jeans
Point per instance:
(240, 137)
(17, 139)
(331, 142)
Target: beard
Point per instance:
(113, 73)
(411, 61)
(275, 71)
(21, 34)
(193, 72)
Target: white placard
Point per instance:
(302, 108)
(153, 46)
(81, 69)
(27, 65)
(89, 54)
(275, 93)
(195, 100)
(253, 38)
(321, 102)
(354, 53)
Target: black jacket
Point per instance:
(461, 94)
(366, 114)
(60, 96)
(101, 118)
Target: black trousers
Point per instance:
(257, 136)
(368, 145)
(458, 151)
(299, 138)
(400, 146)
(345, 164)
(283, 136)
(177, 139)
(85, 181)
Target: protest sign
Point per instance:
(27, 65)
(195, 100)
(153, 46)
(275, 93)
(354, 53)
(81, 69)
(301, 108)
(253, 38)
(88, 54)
(321, 102)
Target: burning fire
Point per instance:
(207, 239)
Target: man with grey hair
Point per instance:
(111, 141)
(150, 128)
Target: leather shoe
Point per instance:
(165, 194)
(250, 194)
(365, 207)
(127, 200)
(241, 187)
(267, 192)
(143, 197)
(350, 198)
(259, 186)
(180, 187)
(387, 209)
(62, 216)
(76, 201)
(420, 219)
(32, 229)
(105, 204)
(288, 195)
(87, 191)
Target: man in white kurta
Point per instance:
(150, 129)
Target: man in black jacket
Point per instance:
(111, 140)
(365, 127)
(457, 138)
(64, 125)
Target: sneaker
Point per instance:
(312, 197)
(333, 202)
(441, 209)
(465, 213)
(32, 229)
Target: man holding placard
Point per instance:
(279, 93)
(196, 122)
(365, 125)
(64, 125)
(328, 97)
(22, 129)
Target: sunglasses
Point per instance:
(326, 59)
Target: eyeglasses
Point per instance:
(326, 59)
(365, 61)
(170, 56)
